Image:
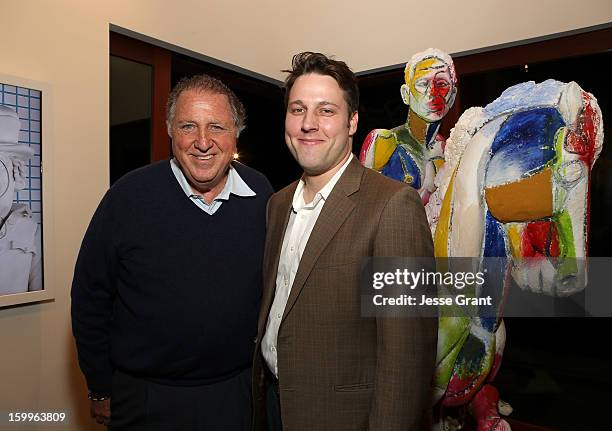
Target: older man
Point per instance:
(20, 240)
(320, 364)
(167, 284)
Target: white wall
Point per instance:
(262, 35)
(65, 43)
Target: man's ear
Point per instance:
(353, 123)
(404, 91)
(451, 99)
(19, 174)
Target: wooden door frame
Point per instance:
(161, 60)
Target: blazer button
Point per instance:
(255, 340)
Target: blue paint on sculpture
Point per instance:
(523, 145)
(517, 97)
(402, 167)
(495, 270)
(494, 243)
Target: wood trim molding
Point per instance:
(161, 61)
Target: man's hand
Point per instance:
(100, 411)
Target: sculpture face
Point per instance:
(431, 90)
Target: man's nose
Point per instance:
(310, 122)
(203, 141)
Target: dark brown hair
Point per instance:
(315, 62)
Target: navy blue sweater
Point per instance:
(164, 291)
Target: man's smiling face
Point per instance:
(318, 126)
(203, 139)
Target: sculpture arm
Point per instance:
(377, 148)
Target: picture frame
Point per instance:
(24, 242)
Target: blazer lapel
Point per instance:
(336, 210)
(277, 223)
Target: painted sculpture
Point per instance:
(516, 182)
(413, 151)
(514, 185)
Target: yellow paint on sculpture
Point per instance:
(443, 227)
(417, 126)
(422, 68)
(514, 232)
(524, 200)
(384, 146)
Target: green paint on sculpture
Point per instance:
(452, 333)
(567, 250)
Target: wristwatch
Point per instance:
(97, 396)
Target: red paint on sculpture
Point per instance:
(582, 139)
(460, 390)
(368, 141)
(540, 239)
(440, 88)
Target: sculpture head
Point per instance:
(537, 183)
(518, 175)
(13, 156)
(430, 84)
(577, 146)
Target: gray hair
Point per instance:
(213, 85)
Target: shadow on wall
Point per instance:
(20, 372)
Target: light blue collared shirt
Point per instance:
(234, 185)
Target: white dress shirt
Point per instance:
(301, 222)
(234, 185)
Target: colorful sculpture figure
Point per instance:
(514, 185)
(413, 152)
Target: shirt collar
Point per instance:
(234, 184)
(298, 197)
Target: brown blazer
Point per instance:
(338, 370)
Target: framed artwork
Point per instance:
(24, 113)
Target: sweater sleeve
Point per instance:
(93, 292)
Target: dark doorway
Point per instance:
(130, 115)
(139, 87)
